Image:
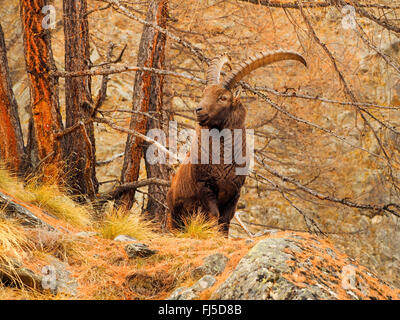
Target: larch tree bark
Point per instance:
(12, 150)
(147, 97)
(157, 194)
(80, 144)
(46, 149)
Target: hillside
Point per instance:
(42, 256)
(326, 175)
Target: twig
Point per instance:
(114, 157)
(139, 135)
(125, 11)
(96, 10)
(321, 196)
(314, 4)
(237, 217)
(71, 129)
(322, 99)
(101, 96)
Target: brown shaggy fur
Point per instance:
(211, 188)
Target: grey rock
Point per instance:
(183, 293)
(264, 232)
(258, 276)
(204, 283)
(141, 250)
(64, 283)
(86, 234)
(213, 265)
(276, 269)
(124, 238)
(54, 276)
(8, 273)
(191, 293)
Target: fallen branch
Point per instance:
(21, 212)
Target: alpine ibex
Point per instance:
(214, 187)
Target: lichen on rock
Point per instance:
(300, 266)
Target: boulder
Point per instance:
(191, 293)
(213, 265)
(124, 238)
(300, 266)
(86, 234)
(135, 250)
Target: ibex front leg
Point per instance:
(227, 213)
(208, 200)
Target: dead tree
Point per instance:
(45, 149)
(147, 97)
(80, 144)
(12, 150)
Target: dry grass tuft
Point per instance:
(149, 286)
(12, 239)
(53, 200)
(13, 243)
(10, 183)
(200, 226)
(118, 222)
(62, 246)
(49, 197)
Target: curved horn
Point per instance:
(214, 69)
(258, 61)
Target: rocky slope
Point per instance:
(216, 26)
(299, 266)
(59, 261)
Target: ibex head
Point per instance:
(218, 101)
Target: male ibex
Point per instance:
(214, 187)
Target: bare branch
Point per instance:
(101, 96)
(139, 135)
(103, 71)
(134, 185)
(314, 4)
(125, 11)
(322, 99)
(321, 196)
(96, 10)
(114, 157)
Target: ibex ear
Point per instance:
(235, 97)
(237, 92)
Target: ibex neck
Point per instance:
(236, 119)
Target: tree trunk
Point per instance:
(45, 112)
(147, 96)
(12, 150)
(158, 193)
(80, 144)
